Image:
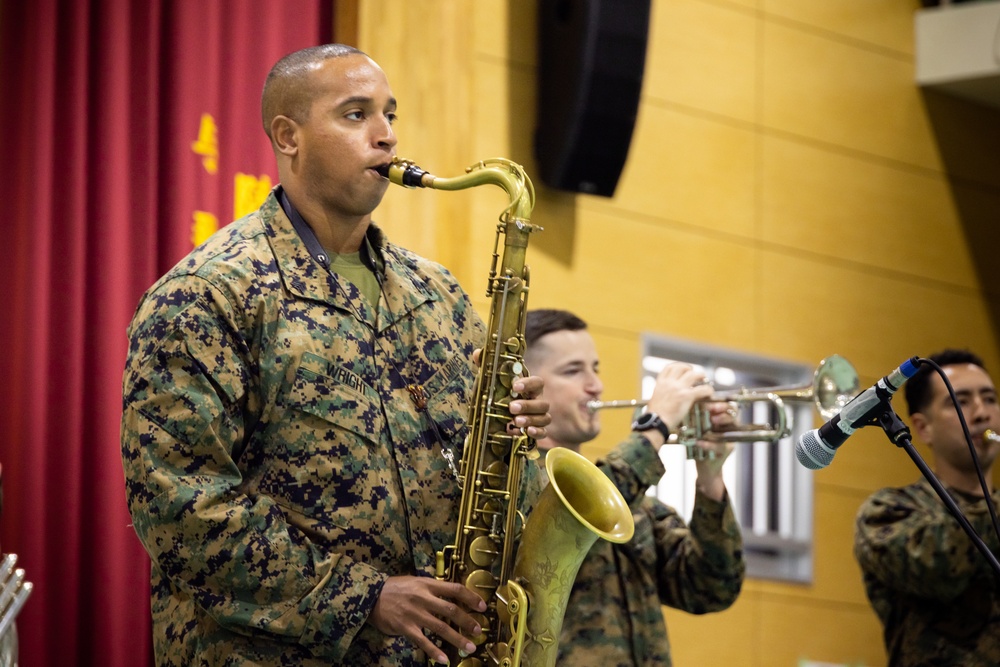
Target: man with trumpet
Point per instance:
(614, 615)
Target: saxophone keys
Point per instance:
(482, 583)
(483, 551)
(495, 475)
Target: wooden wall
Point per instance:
(789, 192)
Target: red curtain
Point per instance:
(132, 128)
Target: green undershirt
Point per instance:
(351, 267)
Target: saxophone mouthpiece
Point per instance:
(405, 173)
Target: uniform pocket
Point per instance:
(449, 391)
(328, 461)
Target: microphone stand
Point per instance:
(899, 435)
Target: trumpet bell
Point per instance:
(835, 383)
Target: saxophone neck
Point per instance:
(497, 171)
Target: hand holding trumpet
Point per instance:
(678, 387)
(713, 453)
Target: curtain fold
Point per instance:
(133, 129)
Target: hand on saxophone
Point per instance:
(420, 608)
(531, 414)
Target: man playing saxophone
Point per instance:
(295, 404)
(614, 616)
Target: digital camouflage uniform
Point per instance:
(614, 616)
(933, 590)
(277, 470)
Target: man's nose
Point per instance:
(977, 409)
(385, 135)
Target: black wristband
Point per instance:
(650, 420)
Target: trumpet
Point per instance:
(835, 382)
(989, 435)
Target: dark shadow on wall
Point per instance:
(968, 139)
(555, 211)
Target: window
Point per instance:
(770, 492)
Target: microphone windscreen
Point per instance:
(812, 452)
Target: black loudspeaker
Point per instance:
(591, 55)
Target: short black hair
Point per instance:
(918, 388)
(544, 321)
(284, 92)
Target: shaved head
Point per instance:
(287, 91)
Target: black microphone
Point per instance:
(816, 448)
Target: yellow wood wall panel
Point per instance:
(505, 29)
(873, 200)
(504, 114)
(828, 91)
(790, 631)
(882, 23)
(749, 4)
(818, 307)
(836, 574)
(690, 169)
(657, 281)
(703, 55)
(721, 638)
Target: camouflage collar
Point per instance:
(403, 288)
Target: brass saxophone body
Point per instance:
(524, 570)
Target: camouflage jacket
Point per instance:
(934, 592)
(277, 470)
(614, 617)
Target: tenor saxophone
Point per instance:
(523, 569)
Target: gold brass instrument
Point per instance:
(835, 383)
(524, 570)
(989, 435)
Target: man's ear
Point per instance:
(284, 135)
(922, 427)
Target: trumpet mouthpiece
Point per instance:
(989, 435)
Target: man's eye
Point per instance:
(392, 117)
(354, 115)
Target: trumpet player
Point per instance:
(934, 592)
(614, 615)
